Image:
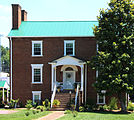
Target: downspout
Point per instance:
(85, 83)
(10, 68)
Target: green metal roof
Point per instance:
(54, 29)
(2, 83)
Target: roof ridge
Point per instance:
(60, 21)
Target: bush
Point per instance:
(81, 109)
(29, 102)
(47, 104)
(27, 113)
(100, 107)
(106, 107)
(113, 104)
(13, 103)
(28, 106)
(130, 106)
(34, 111)
(56, 102)
(41, 108)
(67, 112)
(75, 113)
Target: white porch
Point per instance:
(69, 69)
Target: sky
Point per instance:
(49, 10)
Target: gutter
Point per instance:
(10, 68)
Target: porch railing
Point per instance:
(76, 96)
(53, 95)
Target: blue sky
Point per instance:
(42, 10)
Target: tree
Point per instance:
(114, 60)
(5, 59)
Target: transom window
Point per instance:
(36, 48)
(37, 73)
(36, 96)
(69, 47)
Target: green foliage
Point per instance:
(5, 58)
(41, 108)
(81, 109)
(75, 113)
(113, 104)
(56, 102)
(47, 104)
(27, 113)
(67, 112)
(34, 111)
(13, 103)
(114, 60)
(106, 107)
(130, 106)
(29, 104)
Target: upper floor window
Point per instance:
(69, 47)
(36, 48)
(37, 73)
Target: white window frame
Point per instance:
(98, 99)
(36, 93)
(69, 41)
(37, 42)
(38, 66)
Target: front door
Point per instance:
(68, 79)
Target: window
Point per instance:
(69, 47)
(36, 48)
(37, 73)
(100, 98)
(36, 96)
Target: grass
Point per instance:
(98, 116)
(20, 115)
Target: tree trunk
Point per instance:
(122, 100)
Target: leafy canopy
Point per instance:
(115, 38)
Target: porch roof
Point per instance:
(68, 60)
(3, 84)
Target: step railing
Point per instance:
(53, 95)
(76, 96)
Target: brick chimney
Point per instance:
(23, 15)
(16, 16)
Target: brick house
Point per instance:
(47, 54)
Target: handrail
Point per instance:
(53, 95)
(77, 91)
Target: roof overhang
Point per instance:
(67, 60)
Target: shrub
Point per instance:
(101, 107)
(81, 109)
(106, 107)
(34, 111)
(130, 106)
(41, 108)
(27, 113)
(56, 102)
(28, 106)
(67, 112)
(113, 104)
(37, 111)
(47, 104)
(29, 102)
(13, 103)
(75, 113)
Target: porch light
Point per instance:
(103, 91)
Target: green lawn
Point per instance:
(20, 115)
(98, 116)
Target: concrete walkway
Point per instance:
(53, 116)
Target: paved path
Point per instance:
(53, 116)
(7, 111)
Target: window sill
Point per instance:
(37, 55)
(101, 103)
(37, 83)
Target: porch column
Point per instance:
(82, 76)
(85, 83)
(82, 80)
(52, 84)
(3, 94)
(7, 96)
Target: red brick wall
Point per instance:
(53, 48)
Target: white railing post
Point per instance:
(76, 96)
(53, 95)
